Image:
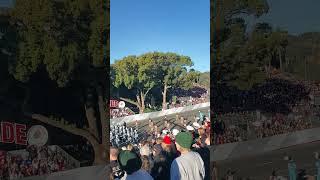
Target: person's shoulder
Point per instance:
(175, 160)
(195, 153)
(144, 175)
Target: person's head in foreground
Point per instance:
(190, 164)
(159, 140)
(156, 150)
(183, 142)
(113, 154)
(145, 150)
(129, 161)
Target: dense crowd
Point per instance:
(193, 92)
(279, 124)
(189, 101)
(229, 135)
(166, 153)
(273, 96)
(234, 127)
(116, 113)
(37, 161)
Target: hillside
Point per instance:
(204, 80)
(303, 55)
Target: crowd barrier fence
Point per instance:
(260, 146)
(152, 115)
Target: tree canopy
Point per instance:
(244, 57)
(64, 41)
(60, 36)
(152, 70)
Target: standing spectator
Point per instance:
(273, 175)
(318, 166)
(131, 164)
(214, 171)
(189, 165)
(168, 149)
(161, 168)
(202, 135)
(229, 175)
(114, 164)
(146, 164)
(292, 168)
(109, 171)
(145, 151)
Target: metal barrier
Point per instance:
(173, 111)
(260, 146)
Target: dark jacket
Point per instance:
(161, 168)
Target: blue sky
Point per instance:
(296, 16)
(181, 26)
(6, 3)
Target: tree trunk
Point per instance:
(139, 105)
(305, 68)
(164, 97)
(142, 96)
(100, 150)
(280, 59)
(92, 120)
(100, 154)
(104, 121)
(269, 69)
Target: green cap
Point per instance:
(129, 161)
(184, 139)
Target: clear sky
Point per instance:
(296, 16)
(6, 3)
(181, 26)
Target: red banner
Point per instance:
(114, 103)
(13, 133)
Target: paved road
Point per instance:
(260, 167)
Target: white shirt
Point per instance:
(188, 166)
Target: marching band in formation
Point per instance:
(121, 135)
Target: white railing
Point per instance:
(152, 115)
(260, 146)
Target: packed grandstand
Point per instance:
(153, 138)
(154, 143)
(235, 126)
(282, 105)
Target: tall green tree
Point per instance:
(230, 42)
(278, 41)
(204, 80)
(171, 71)
(137, 74)
(63, 38)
